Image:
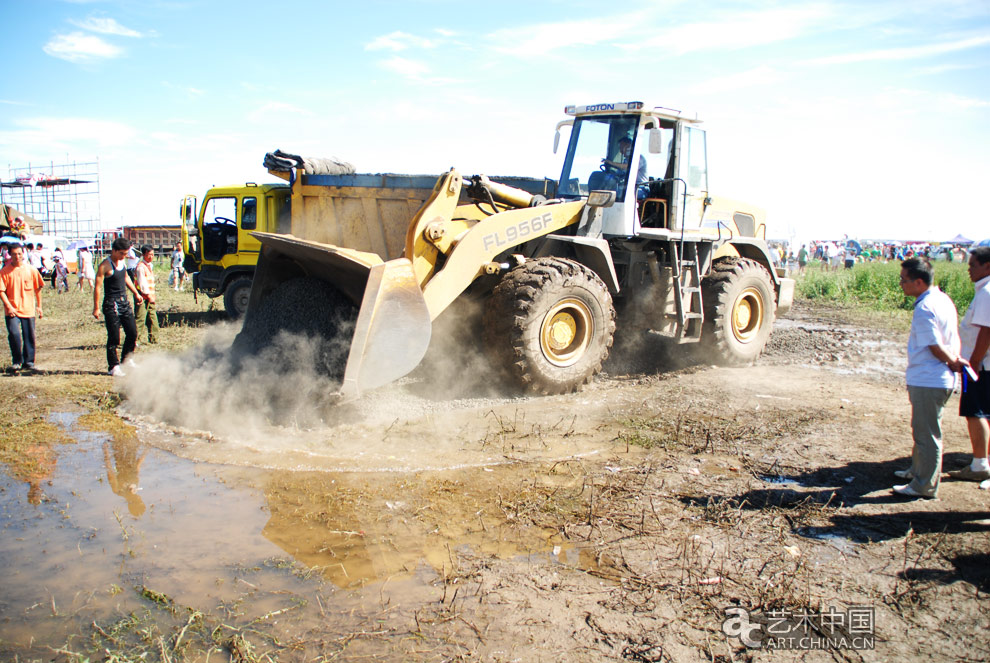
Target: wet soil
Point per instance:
(618, 523)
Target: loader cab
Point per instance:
(650, 159)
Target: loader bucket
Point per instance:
(393, 327)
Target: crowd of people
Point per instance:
(124, 271)
(845, 253)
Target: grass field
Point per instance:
(875, 286)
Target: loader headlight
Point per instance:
(601, 198)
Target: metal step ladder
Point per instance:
(685, 263)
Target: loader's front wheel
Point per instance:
(549, 325)
(739, 312)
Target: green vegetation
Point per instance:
(876, 285)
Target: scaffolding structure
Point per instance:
(64, 197)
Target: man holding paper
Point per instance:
(974, 364)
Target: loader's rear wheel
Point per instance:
(739, 312)
(236, 297)
(549, 325)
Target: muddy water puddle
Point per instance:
(119, 532)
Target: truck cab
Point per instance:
(221, 253)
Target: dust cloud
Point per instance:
(265, 395)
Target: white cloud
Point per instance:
(529, 40)
(928, 101)
(276, 110)
(185, 89)
(644, 30)
(738, 81)
(105, 26)
(399, 41)
(944, 68)
(406, 67)
(79, 47)
(736, 31)
(906, 53)
(37, 138)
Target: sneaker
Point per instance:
(117, 371)
(13, 368)
(903, 474)
(967, 474)
(907, 491)
(130, 363)
(29, 366)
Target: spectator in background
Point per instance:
(802, 258)
(933, 346)
(20, 291)
(837, 256)
(132, 262)
(178, 273)
(974, 403)
(60, 276)
(84, 267)
(146, 315)
(38, 259)
(850, 255)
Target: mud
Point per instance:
(614, 524)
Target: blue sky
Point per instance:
(864, 118)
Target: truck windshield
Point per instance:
(594, 142)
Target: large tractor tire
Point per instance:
(549, 324)
(739, 312)
(236, 297)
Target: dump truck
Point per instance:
(221, 250)
(629, 234)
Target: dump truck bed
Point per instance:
(371, 212)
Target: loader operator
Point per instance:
(620, 161)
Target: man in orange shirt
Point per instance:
(20, 290)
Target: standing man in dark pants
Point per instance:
(974, 404)
(20, 290)
(117, 309)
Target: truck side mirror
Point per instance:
(556, 136)
(656, 141)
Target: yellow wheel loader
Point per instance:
(630, 225)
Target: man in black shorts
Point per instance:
(974, 332)
(117, 309)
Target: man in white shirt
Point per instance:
(974, 403)
(933, 348)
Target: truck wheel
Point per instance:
(236, 297)
(549, 324)
(739, 312)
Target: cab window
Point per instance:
(249, 213)
(220, 211)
